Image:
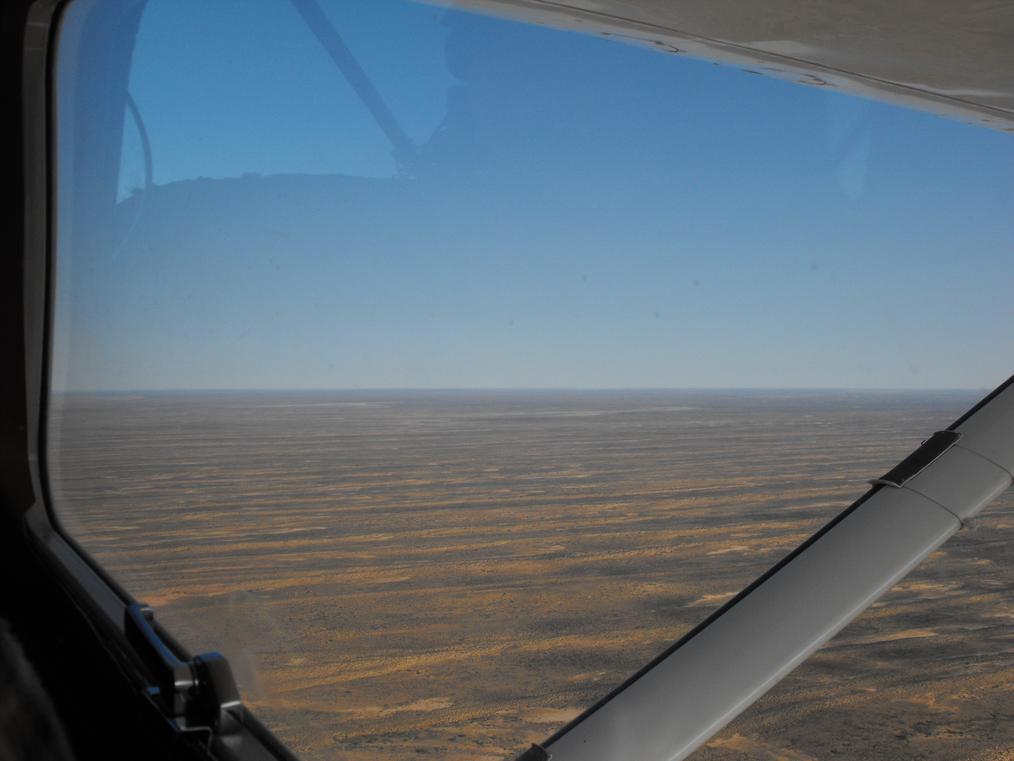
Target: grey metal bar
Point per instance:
(691, 691)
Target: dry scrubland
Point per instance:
(457, 574)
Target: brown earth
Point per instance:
(456, 574)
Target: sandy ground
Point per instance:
(456, 575)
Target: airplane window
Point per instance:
(440, 368)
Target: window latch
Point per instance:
(197, 694)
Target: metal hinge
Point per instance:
(197, 694)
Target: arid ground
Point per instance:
(453, 575)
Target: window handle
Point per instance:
(197, 694)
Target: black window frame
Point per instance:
(69, 612)
(64, 586)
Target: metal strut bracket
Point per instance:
(535, 753)
(919, 460)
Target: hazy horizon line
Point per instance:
(582, 389)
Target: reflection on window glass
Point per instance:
(440, 369)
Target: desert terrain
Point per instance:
(403, 575)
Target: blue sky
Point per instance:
(587, 213)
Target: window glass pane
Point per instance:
(442, 374)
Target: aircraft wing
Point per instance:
(954, 59)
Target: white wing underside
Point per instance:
(953, 59)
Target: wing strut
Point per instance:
(688, 693)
